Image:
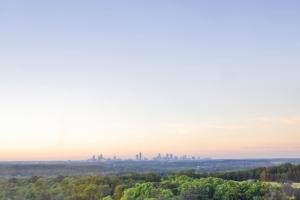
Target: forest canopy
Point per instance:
(179, 186)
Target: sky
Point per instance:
(209, 78)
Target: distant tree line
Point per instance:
(281, 173)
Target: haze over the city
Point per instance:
(207, 78)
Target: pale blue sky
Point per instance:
(90, 76)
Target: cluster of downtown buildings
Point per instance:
(171, 156)
(139, 157)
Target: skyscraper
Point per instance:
(100, 157)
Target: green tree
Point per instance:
(146, 191)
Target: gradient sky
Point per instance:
(209, 78)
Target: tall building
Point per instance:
(140, 156)
(159, 156)
(100, 157)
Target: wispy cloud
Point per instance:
(229, 126)
(264, 119)
(291, 120)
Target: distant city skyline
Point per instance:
(141, 157)
(217, 79)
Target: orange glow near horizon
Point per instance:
(253, 138)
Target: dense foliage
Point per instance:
(140, 187)
(188, 185)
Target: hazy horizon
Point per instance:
(214, 79)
